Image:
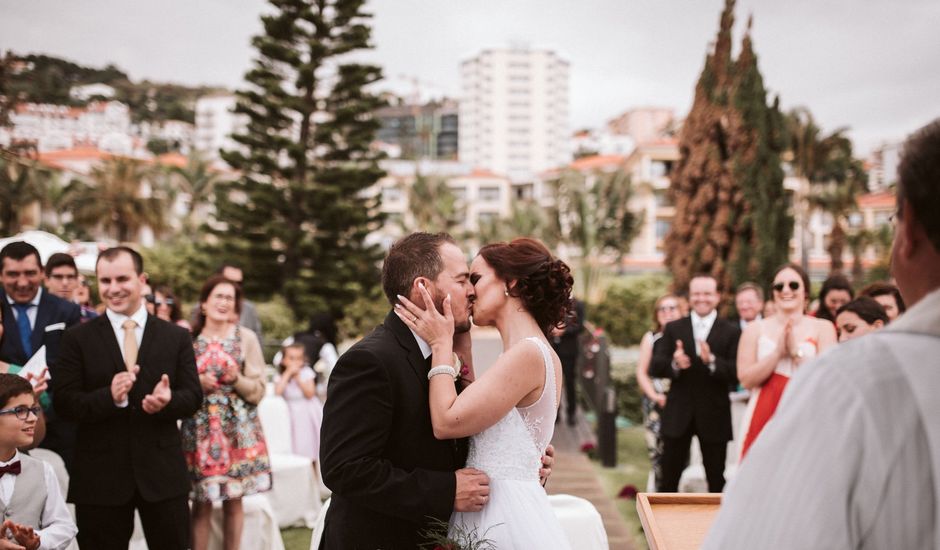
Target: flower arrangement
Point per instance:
(628, 491)
(589, 449)
(441, 536)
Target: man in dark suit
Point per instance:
(126, 377)
(388, 474)
(699, 354)
(33, 318)
(566, 343)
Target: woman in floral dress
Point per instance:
(223, 443)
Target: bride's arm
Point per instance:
(516, 373)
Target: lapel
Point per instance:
(410, 346)
(714, 334)
(44, 315)
(147, 339)
(687, 335)
(106, 334)
(10, 329)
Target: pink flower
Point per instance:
(587, 447)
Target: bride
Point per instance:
(509, 412)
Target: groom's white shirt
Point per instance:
(425, 347)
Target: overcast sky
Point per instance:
(871, 65)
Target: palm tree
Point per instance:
(22, 183)
(114, 199)
(528, 219)
(857, 242)
(433, 205)
(197, 180)
(834, 175)
(592, 216)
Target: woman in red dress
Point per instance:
(773, 348)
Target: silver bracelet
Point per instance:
(442, 369)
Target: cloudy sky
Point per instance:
(870, 65)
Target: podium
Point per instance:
(677, 521)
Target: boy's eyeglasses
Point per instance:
(22, 411)
(778, 287)
(667, 308)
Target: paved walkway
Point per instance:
(574, 474)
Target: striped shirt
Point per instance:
(850, 458)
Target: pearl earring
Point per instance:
(506, 292)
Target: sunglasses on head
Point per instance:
(153, 300)
(778, 287)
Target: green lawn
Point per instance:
(296, 538)
(632, 468)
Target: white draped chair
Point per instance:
(295, 492)
(58, 466)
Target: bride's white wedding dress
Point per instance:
(518, 514)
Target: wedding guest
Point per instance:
(698, 354)
(223, 443)
(665, 310)
(61, 275)
(34, 512)
(859, 317)
(82, 297)
(772, 349)
(888, 296)
(852, 458)
(565, 342)
(33, 319)
(835, 293)
(296, 382)
(167, 307)
(248, 312)
(770, 308)
(126, 378)
(749, 301)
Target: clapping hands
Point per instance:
(25, 537)
(158, 399)
(680, 359)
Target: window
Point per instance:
(660, 168)
(662, 198)
(391, 194)
(460, 193)
(486, 218)
(662, 228)
(489, 193)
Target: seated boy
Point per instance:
(36, 517)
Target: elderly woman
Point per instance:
(773, 348)
(666, 309)
(859, 317)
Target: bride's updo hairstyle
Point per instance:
(543, 283)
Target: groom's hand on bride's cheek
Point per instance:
(473, 490)
(548, 460)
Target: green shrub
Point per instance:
(363, 315)
(277, 323)
(625, 312)
(629, 396)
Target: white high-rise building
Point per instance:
(514, 111)
(215, 124)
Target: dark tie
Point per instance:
(26, 331)
(12, 468)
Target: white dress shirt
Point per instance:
(59, 529)
(701, 326)
(424, 346)
(847, 461)
(117, 320)
(31, 312)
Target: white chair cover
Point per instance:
(581, 522)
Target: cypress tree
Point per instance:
(731, 219)
(298, 216)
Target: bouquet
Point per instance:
(462, 537)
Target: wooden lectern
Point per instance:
(677, 521)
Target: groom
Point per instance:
(388, 474)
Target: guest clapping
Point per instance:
(773, 348)
(223, 443)
(859, 317)
(665, 310)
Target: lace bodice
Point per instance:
(513, 447)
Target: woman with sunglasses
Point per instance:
(666, 309)
(773, 348)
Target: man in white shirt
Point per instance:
(852, 456)
(749, 301)
(699, 354)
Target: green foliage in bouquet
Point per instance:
(463, 538)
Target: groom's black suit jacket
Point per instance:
(378, 453)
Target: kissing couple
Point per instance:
(410, 436)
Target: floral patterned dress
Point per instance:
(223, 443)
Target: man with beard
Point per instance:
(390, 477)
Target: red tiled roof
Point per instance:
(172, 159)
(597, 161)
(482, 173)
(78, 153)
(878, 199)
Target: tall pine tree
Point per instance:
(298, 217)
(727, 187)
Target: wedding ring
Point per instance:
(414, 319)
